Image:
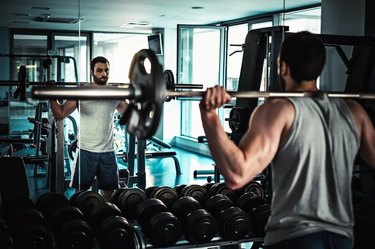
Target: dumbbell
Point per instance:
(179, 188)
(111, 228)
(198, 192)
(257, 207)
(86, 200)
(166, 194)
(161, 226)
(27, 225)
(67, 222)
(222, 188)
(128, 200)
(234, 223)
(199, 225)
(254, 187)
(113, 231)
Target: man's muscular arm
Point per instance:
(61, 111)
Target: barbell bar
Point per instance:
(148, 91)
(134, 92)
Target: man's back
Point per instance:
(312, 171)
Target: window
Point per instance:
(119, 49)
(200, 61)
(301, 20)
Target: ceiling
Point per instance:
(132, 16)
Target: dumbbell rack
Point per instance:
(216, 242)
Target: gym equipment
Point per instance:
(199, 225)
(71, 229)
(234, 223)
(222, 188)
(198, 192)
(166, 194)
(67, 222)
(112, 230)
(86, 201)
(238, 119)
(161, 226)
(147, 93)
(128, 200)
(254, 187)
(256, 206)
(27, 225)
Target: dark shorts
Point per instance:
(103, 165)
(320, 240)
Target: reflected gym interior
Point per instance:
(198, 44)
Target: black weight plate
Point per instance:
(101, 212)
(63, 214)
(129, 200)
(164, 230)
(249, 201)
(115, 195)
(200, 227)
(88, 200)
(198, 192)
(234, 224)
(116, 233)
(75, 234)
(49, 202)
(149, 208)
(217, 204)
(254, 187)
(166, 194)
(144, 121)
(184, 206)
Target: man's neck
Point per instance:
(304, 86)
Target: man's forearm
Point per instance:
(58, 110)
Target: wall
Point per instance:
(340, 17)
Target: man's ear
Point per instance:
(284, 68)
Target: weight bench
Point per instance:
(163, 154)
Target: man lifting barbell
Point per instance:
(96, 155)
(311, 145)
(310, 142)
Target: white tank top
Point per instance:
(96, 124)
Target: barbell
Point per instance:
(147, 93)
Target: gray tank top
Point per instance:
(96, 124)
(312, 172)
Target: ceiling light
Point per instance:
(135, 24)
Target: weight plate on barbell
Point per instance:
(144, 118)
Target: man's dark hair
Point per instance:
(99, 59)
(305, 55)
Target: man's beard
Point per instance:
(100, 81)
